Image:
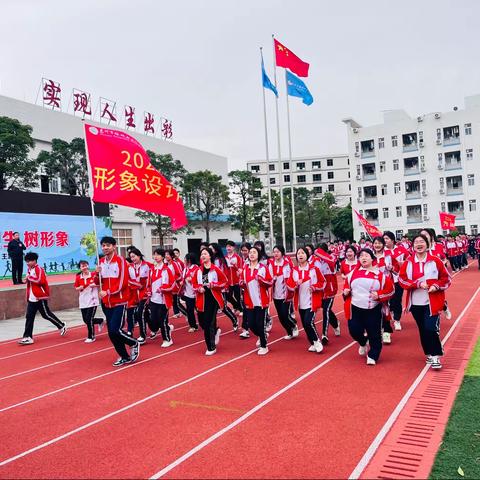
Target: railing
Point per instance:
(455, 191)
(459, 214)
(414, 219)
(451, 141)
(373, 221)
(371, 199)
(369, 176)
(368, 153)
(411, 171)
(410, 195)
(410, 148)
(453, 165)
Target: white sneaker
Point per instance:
(397, 325)
(100, 326)
(166, 344)
(371, 361)
(63, 330)
(429, 360)
(448, 314)
(217, 336)
(177, 315)
(262, 351)
(436, 365)
(171, 327)
(26, 341)
(192, 329)
(258, 341)
(295, 332)
(211, 352)
(337, 331)
(363, 350)
(245, 334)
(269, 326)
(288, 337)
(89, 340)
(141, 340)
(387, 338)
(318, 347)
(311, 348)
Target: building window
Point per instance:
(398, 211)
(316, 165)
(383, 189)
(271, 167)
(381, 142)
(469, 153)
(348, 174)
(359, 169)
(439, 134)
(424, 185)
(255, 168)
(442, 206)
(301, 178)
(394, 141)
(123, 236)
(425, 209)
(357, 147)
(329, 162)
(385, 212)
(472, 205)
(468, 129)
(396, 187)
(317, 190)
(286, 165)
(331, 188)
(286, 178)
(273, 181)
(317, 177)
(300, 165)
(167, 241)
(330, 175)
(257, 193)
(474, 229)
(359, 190)
(396, 165)
(471, 180)
(383, 166)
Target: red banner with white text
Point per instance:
(369, 228)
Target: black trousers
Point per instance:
(208, 322)
(369, 320)
(228, 311)
(118, 337)
(308, 322)
(176, 309)
(88, 317)
(140, 316)
(188, 310)
(329, 318)
(130, 319)
(256, 321)
(234, 297)
(428, 328)
(42, 307)
(395, 302)
(159, 320)
(283, 311)
(17, 269)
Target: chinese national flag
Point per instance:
(121, 173)
(287, 59)
(447, 221)
(372, 230)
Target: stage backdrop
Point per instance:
(60, 240)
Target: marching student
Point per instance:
(176, 269)
(425, 278)
(264, 260)
(234, 263)
(163, 283)
(326, 263)
(477, 248)
(281, 270)
(256, 279)
(86, 284)
(38, 293)
(308, 283)
(221, 263)
(366, 289)
(399, 252)
(244, 249)
(209, 283)
(114, 293)
(351, 261)
(139, 283)
(453, 253)
(178, 259)
(188, 292)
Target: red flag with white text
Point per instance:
(447, 221)
(121, 173)
(372, 230)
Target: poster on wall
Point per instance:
(61, 241)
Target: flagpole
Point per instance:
(267, 156)
(282, 210)
(294, 223)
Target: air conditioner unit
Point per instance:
(360, 200)
(426, 218)
(437, 115)
(424, 193)
(439, 142)
(358, 177)
(419, 119)
(422, 157)
(440, 166)
(355, 130)
(442, 191)
(357, 154)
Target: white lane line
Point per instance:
(135, 404)
(365, 460)
(246, 415)
(42, 334)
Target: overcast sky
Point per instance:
(197, 62)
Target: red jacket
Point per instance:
(435, 273)
(37, 283)
(256, 283)
(138, 282)
(217, 279)
(317, 283)
(177, 273)
(326, 263)
(114, 281)
(161, 285)
(234, 263)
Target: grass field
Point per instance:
(459, 454)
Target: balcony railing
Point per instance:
(368, 153)
(411, 147)
(453, 165)
(455, 191)
(369, 176)
(414, 219)
(451, 141)
(414, 194)
(370, 199)
(459, 214)
(373, 221)
(411, 171)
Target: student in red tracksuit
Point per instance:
(38, 293)
(139, 283)
(365, 290)
(114, 293)
(86, 284)
(326, 263)
(308, 284)
(209, 283)
(162, 285)
(188, 292)
(351, 261)
(176, 269)
(234, 265)
(425, 278)
(453, 253)
(477, 248)
(256, 280)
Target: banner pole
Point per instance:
(267, 156)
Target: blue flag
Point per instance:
(266, 81)
(296, 88)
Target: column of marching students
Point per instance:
(136, 296)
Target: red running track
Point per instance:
(256, 416)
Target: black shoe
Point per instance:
(324, 340)
(121, 362)
(134, 352)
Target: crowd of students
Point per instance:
(136, 296)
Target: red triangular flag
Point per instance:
(372, 230)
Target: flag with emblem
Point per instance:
(287, 59)
(297, 88)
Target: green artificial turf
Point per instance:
(460, 450)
